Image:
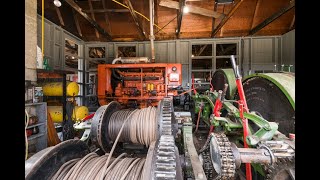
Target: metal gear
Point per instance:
(165, 154)
(283, 169)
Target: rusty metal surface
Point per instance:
(144, 84)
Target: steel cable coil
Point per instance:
(91, 167)
(137, 126)
(140, 128)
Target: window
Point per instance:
(71, 54)
(202, 50)
(206, 58)
(93, 64)
(74, 62)
(226, 49)
(202, 63)
(222, 63)
(127, 51)
(223, 52)
(97, 52)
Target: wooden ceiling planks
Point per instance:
(121, 26)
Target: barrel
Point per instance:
(56, 89)
(56, 112)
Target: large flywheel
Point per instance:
(273, 96)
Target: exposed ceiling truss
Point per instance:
(108, 20)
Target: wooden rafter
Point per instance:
(136, 20)
(258, 2)
(106, 17)
(292, 22)
(76, 20)
(225, 19)
(272, 18)
(214, 19)
(192, 9)
(92, 22)
(180, 15)
(59, 16)
(104, 10)
(92, 16)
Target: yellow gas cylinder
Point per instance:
(151, 87)
(55, 89)
(148, 87)
(79, 113)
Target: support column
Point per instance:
(31, 40)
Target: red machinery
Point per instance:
(142, 84)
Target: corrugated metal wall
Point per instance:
(54, 42)
(256, 54)
(288, 49)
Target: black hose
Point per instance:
(114, 74)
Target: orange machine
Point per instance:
(141, 84)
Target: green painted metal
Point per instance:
(284, 81)
(229, 74)
(266, 129)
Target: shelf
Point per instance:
(34, 104)
(39, 124)
(35, 136)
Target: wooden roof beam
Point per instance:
(59, 16)
(192, 9)
(106, 17)
(272, 18)
(136, 20)
(75, 16)
(214, 19)
(92, 22)
(180, 15)
(255, 13)
(92, 16)
(225, 19)
(292, 22)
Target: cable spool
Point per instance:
(92, 166)
(141, 127)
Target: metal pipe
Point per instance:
(251, 155)
(42, 29)
(131, 60)
(151, 4)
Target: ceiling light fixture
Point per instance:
(185, 9)
(57, 3)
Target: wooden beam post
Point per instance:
(214, 19)
(272, 18)
(255, 13)
(59, 16)
(92, 16)
(92, 22)
(136, 20)
(180, 15)
(225, 19)
(106, 17)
